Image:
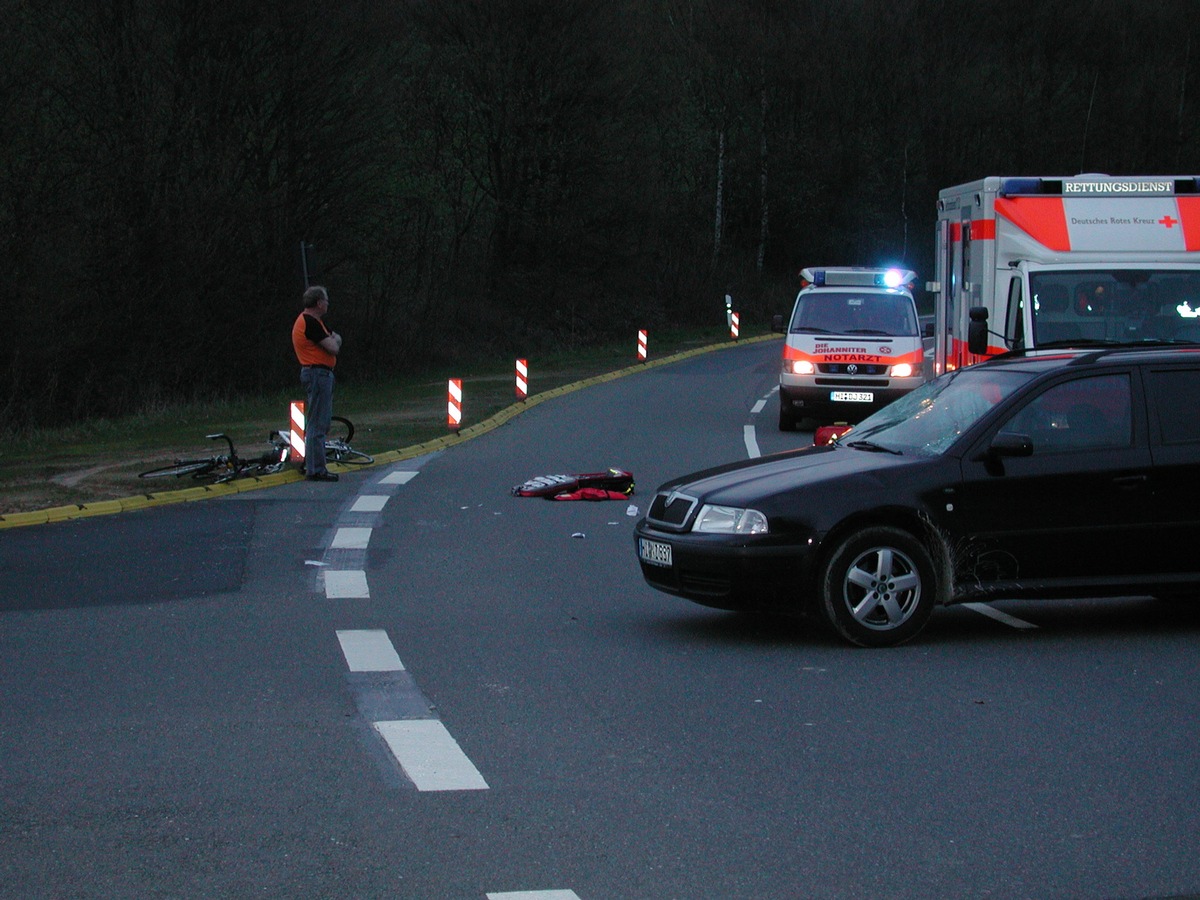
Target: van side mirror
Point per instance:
(777, 323)
(977, 330)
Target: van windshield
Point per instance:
(1115, 305)
(854, 313)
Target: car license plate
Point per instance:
(654, 552)
(851, 396)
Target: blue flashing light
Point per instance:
(1022, 186)
(857, 276)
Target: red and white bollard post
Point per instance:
(641, 353)
(454, 404)
(522, 380)
(296, 434)
(734, 322)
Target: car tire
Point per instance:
(787, 418)
(879, 587)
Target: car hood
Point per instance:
(748, 482)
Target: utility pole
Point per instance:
(304, 248)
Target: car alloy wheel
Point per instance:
(879, 587)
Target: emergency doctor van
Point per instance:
(852, 344)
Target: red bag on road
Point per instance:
(614, 484)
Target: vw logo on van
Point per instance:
(852, 369)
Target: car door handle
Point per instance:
(1129, 481)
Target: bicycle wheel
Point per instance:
(340, 451)
(197, 468)
(335, 434)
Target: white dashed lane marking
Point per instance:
(398, 478)
(421, 745)
(749, 434)
(533, 895)
(386, 694)
(984, 610)
(369, 503)
(369, 651)
(430, 757)
(346, 585)
(351, 539)
(751, 440)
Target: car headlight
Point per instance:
(905, 370)
(729, 520)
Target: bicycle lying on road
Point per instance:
(224, 467)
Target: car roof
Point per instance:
(1045, 360)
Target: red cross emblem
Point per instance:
(1168, 221)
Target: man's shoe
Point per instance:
(322, 476)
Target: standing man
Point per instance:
(317, 349)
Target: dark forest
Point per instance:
(475, 177)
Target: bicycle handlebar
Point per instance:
(228, 440)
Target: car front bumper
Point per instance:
(807, 401)
(730, 571)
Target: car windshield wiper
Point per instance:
(872, 447)
(810, 329)
(868, 331)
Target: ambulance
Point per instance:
(853, 343)
(1064, 261)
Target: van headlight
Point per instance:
(729, 520)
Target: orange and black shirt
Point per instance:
(307, 334)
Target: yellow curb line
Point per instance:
(240, 485)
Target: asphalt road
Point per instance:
(411, 684)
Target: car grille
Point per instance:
(709, 585)
(852, 369)
(851, 382)
(691, 583)
(670, 510)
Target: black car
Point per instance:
(1067, 473)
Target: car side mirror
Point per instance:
(927, 330)
(1009, 443)
(777, 323)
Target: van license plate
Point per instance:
(654, 552)
(851, 396)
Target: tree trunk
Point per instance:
(719, 211)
